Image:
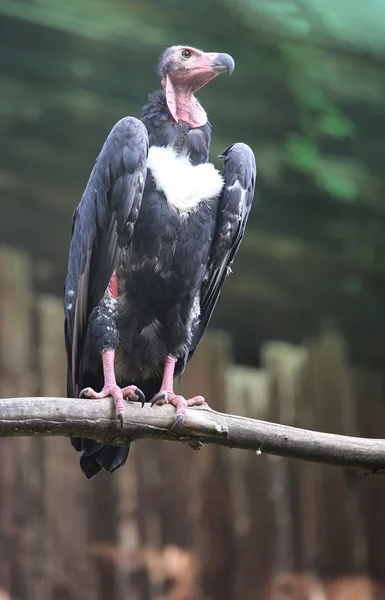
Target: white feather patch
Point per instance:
(183, 184)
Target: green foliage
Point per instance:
(302, 153)
(337, 183)
(335, 124)
(320, 120)
(333, 176)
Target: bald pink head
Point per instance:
(184, 70)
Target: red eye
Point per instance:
(185, 54)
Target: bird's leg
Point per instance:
(166, 395)
(111, 388)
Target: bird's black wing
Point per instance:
(239, 174)
(103, 224)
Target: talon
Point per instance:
(178, 420)
(120, 419)
(140, 395)
(160, 396)
(84, 392)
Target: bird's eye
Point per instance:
(185, 54)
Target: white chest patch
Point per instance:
(183, 184)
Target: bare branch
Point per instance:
(95, 419)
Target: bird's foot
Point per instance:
(180, 403)
(118, 395)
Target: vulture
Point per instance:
(153, 239)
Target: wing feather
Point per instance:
(239, 174)
(103, 224)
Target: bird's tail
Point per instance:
(96, 456)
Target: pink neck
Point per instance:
(183, 105)
(189, 110)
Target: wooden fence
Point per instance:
(176, 524)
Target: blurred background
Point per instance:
(298, 336)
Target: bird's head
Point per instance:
(183, 71)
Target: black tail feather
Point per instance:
(97, 456)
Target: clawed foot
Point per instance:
(180, 403)
(118, 394)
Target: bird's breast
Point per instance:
(184, 185)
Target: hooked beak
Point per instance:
(199, 72)
(223, 62)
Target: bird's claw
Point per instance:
(177, 421)
(118, 394)
(140, 395)
(162, 396)
(180, 403)
(132, 392)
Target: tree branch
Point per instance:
(96, 419)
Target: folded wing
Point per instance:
(239, 174)
(103, 225)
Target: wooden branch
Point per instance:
(95, 419)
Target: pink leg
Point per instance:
(167, 395)
(111, 388)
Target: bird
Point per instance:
(153, 240)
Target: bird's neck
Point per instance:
(164, 131)
(183, 105)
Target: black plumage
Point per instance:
(170, 264)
